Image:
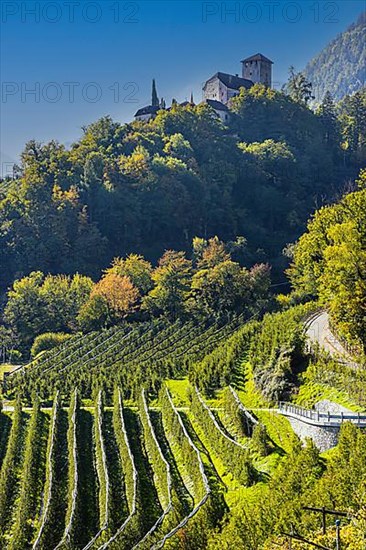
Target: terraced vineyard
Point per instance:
(133, 357)
(154, 437)
(109, 475)
(90, 463)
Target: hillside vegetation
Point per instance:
(145, 188)
(219, 204)
(330, 263)
(340, 68)
(140, 272)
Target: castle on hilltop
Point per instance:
(220, 88)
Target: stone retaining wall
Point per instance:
(324, 437)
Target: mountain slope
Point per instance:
(340, 67)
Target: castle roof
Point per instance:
(149, 110)
(257, 57)
(231, 81)
(217, 105)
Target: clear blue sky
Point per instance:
(102, 47)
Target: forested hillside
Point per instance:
(340, 68)
(183, 325)
(160, 429)
(144, 188)
(217, 204)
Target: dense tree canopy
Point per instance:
(147, 188)
(38, 304)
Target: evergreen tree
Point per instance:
(352, 115)
(328, 116)
(298, 87)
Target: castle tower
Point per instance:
(258, 68)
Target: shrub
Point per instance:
(47, 341)
(260, 440)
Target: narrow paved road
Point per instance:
(318, 330)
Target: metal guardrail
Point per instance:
(310, 317)
(311, 416)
